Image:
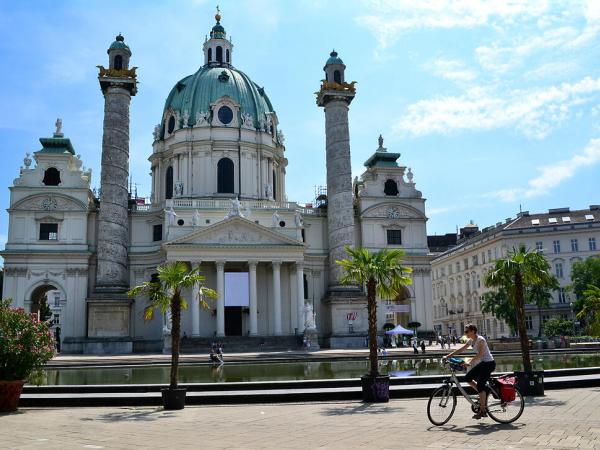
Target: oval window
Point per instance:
(225, 115)
(171, 124)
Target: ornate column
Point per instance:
(253, 298)
(277, 297)
(300, 296)
(221, 299)
(195, 305)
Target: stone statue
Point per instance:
(186, 118)
(202, 119)
(280, 137)
(167, 322)
(78, 162)
(309, 317)
(275, 218)
(410, 175)
(177, 120)
(298, 219)
(178, 188)
(235, 209)
(380, 140)
(268, 124)
(156, 132)
(268, 191)
(247, 121)
(196, 218)
(27, 160)
(170, 216)
(58, 125)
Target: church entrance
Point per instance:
(233, 321)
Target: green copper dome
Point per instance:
(119, 43)
(196, 92)
(334, 59)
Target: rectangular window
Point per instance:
(482, 257)
(539, 247)
(489, 255)
(389, 317)
(57, 301)
(592, 244)
(466, 263)
(48, 231)
(495, 252)
(529, 323)
(556, 246)
(56, 319)
(157, 233)
(558, 269)
(394, 237)
(574, 245)
(562, 295)
(458, 266)
(501, 326)
(475, 260)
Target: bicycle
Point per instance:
(442, 401)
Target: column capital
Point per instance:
(300, 265)
(252, 264)
(220, 265)
(196, 263)
(276, 263)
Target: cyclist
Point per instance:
(482, 366)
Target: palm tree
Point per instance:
(590, 310)
(521, 270)
(164, 293)
(383, 274)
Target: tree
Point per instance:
(165, 292)
(558, 327)
(583, 274)
(384, 275)
(497, 304)
(590, 311)
(521, 270)
(540, 296)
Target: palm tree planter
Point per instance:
(520, 271)
(164, 293)
(383, 274)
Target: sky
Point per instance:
(493, 104)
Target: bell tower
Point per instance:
(218, 49)
(109, 307)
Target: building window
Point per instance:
(482, 257)
(562, 295)
(394, 237)
(225, 115)
(389, 317)
(489, 255)
(48, 231)
(475, 260)
(274, 185)
(539, 247)
(171, 125)
(529, 323)
(337, 76)
(457, 266)
(210, 55)
(478, 281)
(592, 243)
(495, 252)
(118, 62)
(466, 263)
(501, 326)
(305, 285)
(225, 176)
(219, 54)
(558, 269)
(574, 245)
(56, 319)
(169, 183)
(390, 187)
(51, 176)
(556, 245)
(227, 56)
(157, 233)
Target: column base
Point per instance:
(109, 316)
(343, 303)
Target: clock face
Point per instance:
(393, 213)
(225, 115)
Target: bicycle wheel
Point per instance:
(441, 405)
(506, 412)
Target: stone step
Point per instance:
(242, 343)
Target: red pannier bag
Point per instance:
(507, 388)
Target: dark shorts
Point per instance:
(481, 373)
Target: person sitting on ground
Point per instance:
(482, 366)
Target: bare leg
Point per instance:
(482, 401)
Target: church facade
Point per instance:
(218, 202)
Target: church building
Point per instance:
(218, 202)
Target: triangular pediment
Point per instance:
(234, 231)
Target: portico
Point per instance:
(274, 264)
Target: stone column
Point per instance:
(300, 296)
(221, 299)
(253, 298)
(195, 305)
(277, 297)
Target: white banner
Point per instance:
(398, 308)
(236, 289)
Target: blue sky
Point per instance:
(492, 104)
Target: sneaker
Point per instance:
(480, 415)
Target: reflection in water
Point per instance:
(316, 370)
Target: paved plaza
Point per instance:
(562, 419)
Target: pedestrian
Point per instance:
(415, 349)
(423, 347)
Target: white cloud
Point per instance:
(451, 69)
(552, 175)
(533, 112)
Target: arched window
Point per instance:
(274, 185)
(227, 55)
(337, 76)
(169, 183)
(390, 188)
(219, 54)
(171, 125)
(118, 62)
(305, 286)
(225, 176)
(210, 55)
(51, 177)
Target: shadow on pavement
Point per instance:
(134, 415)
(542, 401)
(363, 408)
(478, 429)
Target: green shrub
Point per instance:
(558, 327)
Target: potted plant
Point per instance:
(383, 275)
(165, 293)
(26, 344)
(521, 271)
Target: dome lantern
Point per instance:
(334, 68)
(218, 49)
(118, 54)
